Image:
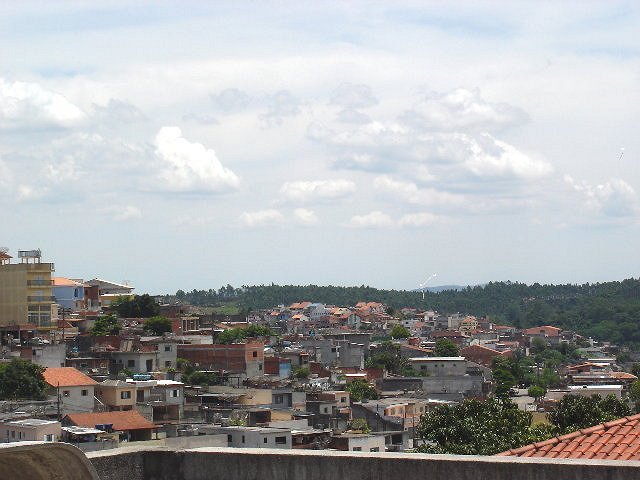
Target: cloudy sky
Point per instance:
(195, 144)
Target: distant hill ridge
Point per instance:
(605, 311)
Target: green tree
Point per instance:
(536, 392)
(360, 390)
(302, 373)
(398, 331)
(239, 333)
(20, 379)
(575, 412)
(634, 395)
(387, 356)
(105, 325)
(198, 377)
(360, 424)
(157, 325)
(446, 348)
(475, 427)
(136, 306)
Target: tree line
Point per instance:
(605, 311)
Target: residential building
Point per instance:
(358, 442)
(240, 358)
(102, 293)
(129, 424)
(116, 394)
(30, 430)
(69, 294)
(26, 294)
(255, 437)
(73, 389)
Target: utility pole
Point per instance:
(58, 402)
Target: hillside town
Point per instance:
(300, 376)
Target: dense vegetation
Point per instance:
(21, 380)
(606, 311)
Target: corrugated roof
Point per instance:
(615, 440)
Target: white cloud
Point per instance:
(29, 193)
(231, 100)
(281, 105)
(261, 218)
(375, 219)
(5, 174)
(409, 192)
(64, 171)
(350, 95)
(615, 198)
(316, 190)
(462, 110)
(127, 213)
(491, 158)
(190, 167)
(28, 105)
(418, 220)
(305, 217)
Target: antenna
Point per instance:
(422, 286)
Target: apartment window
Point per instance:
(175, 393)
(131, 363)
(281, 440)
(125, 395)
(66, 393)
(357, 449)
(242, 438)
(167, 348)
(84, 393)
(343, 399)
(50, 438)
(264, 440)
(326, 409)
(255, 354)
(229, 439)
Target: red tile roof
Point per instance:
(121, 421)
(546, 330)
(67, 377)
(615, 440)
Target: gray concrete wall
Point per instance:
(249, 464)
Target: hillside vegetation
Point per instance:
(605, 311)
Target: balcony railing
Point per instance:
(39, 283)
(41, 299)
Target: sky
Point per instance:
(181, 145)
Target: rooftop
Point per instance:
(615, 440)
(67, 377)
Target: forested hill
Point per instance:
(606, 311)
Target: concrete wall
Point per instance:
(249, 464)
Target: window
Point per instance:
(167, 348)
(343, 399)
(255, 354)
(357, 449)
(131, 363)
(125, 395)
(229, 439)
(13, 434)
(326, 409)
(242, 438)
(281, 440)
(174, 393)
(84, 393)
(374, 449)
(66, 393)
(264, 440)
(50, 438)
(167, 363)
(278, 399)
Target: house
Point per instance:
(483, 355)
(116, 394)
(130, 424)
(30, 430)
(550, 335)
(615, 440)
(101, 293)
(358, 442)
(240, 358)
(255, 437)
(161, 401)
(69, 293)
(72, 388)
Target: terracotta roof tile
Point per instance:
(615, 440)
(67, 377)
(121, 421)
